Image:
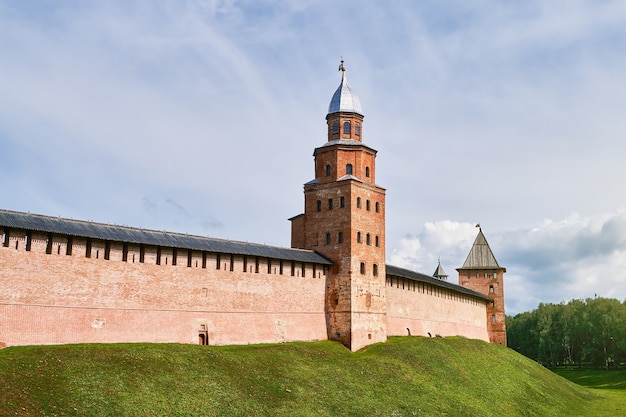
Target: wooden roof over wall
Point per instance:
(125, 234)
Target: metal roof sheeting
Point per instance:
(80, 228)
(416, 276)
(345, 99)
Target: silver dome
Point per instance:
(344, 99)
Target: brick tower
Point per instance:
(481, 273)
(344, 219)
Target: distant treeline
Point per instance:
(589, 332)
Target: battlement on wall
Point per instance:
(95, 249)
(57, 236)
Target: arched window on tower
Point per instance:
(367, 205)
(362, 268)
(358, 202)
(375, 270)
(491, 289)
(327, 170)
(358, 237)
(377, 207)
(367, 172)
(368, 239)
(348, 169)
(346, 128)
(335, 130)
(340, 237)
(357, 129)
(328, 238)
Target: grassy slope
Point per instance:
(405, 376)
(610, 384)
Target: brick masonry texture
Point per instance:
(58, 289)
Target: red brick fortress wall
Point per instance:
(417, 309)
(68, 298)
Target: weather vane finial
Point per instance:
(342, 68)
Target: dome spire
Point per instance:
(344, 99)
(342, 69)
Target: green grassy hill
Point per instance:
(408, 376)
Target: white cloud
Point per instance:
(552, 261)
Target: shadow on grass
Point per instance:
(614, 380)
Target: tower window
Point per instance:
(327, 170)
(328, 238)
(342, 202)
(367, 205)
(493, 318)
(348, 169)
(346, 128)
(330, 204)
(357, 129)
(375, 270)
(491, 289)
(358, 237)
(377, 207)
(377, 240)
(358, 202)
(319, 205)
(368, 239)
(340, 237)
(335, 130)
(367, 172)
(362, 267)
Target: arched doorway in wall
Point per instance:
(203, 335)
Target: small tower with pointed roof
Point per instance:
(482, 273)
(440, 273)
(344, 220)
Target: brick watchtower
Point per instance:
(344, 219)
(482, 273)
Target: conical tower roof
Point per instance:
(440, 273)
(480, 256)
(344, 99)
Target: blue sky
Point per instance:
(202, 116)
